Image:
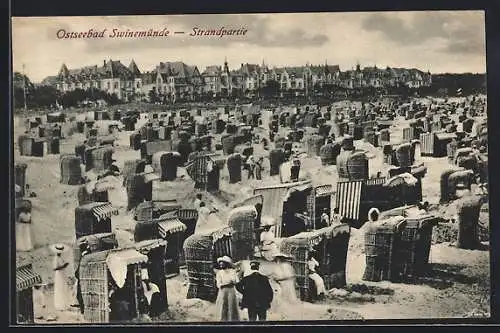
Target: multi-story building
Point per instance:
(148, 84)
(112, 77)
(176, 80)
(384, 78)
(212, 79)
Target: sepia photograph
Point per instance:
(228, 168)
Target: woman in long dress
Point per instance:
(312, 264)
(269, 248)
(24, 240)
(226, 280)
(283, 276)
(61, 289)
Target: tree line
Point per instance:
(41, 96)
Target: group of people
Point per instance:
(254, 168)
(257, 293)
(255, 288)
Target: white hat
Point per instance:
(371, 211)
(58, 248)
(225, 259)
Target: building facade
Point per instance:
(171, 81)
(112, 77)
(176, 80)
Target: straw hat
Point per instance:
(225, 259)
(58, 248)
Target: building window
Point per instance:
(115, 86)
(109, 85)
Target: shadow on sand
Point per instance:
(443, 276)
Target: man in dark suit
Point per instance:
(257, 293)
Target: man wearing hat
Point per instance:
(84, 250)
(257, 293)
(61, 290)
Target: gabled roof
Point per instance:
(148, 77)
(49, 81)
(177, 69)
(133, 68)
(212, 70)
(116, 69)
(112, 68)
(249, 68)
(295, 71)
(64, 70)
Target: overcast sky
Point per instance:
(443, 41)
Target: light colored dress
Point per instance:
(197, 203)
(336, 219)
(325, 219)
(283, 283)
(227, 304)
(269, 248)
(24, 240)
(61, 288)
(318, 280)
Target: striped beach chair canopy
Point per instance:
(348, 199)
(101, 210)
(170, 225)
(26, 277)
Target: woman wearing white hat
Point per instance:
(24, 240)
(226, 279)
(284, 277)
(61, 289)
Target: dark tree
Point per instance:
(270, 89)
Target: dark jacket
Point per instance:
(256, 290)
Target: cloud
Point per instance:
(442, 42)
(262, 31)
(460, 32)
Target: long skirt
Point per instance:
(61, 290)
(318, 281)
(285, 293)
(258, 173)
(227, 304)
(24, 241)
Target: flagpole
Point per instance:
(24, 90)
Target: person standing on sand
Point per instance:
(24, 241)
(84, 249)
(284, 276)
(257, 293)
(204, 217)
(312, 265)
(61, 290)
(259, 165)
(251, 167)
(197, 201)
(226, 279)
